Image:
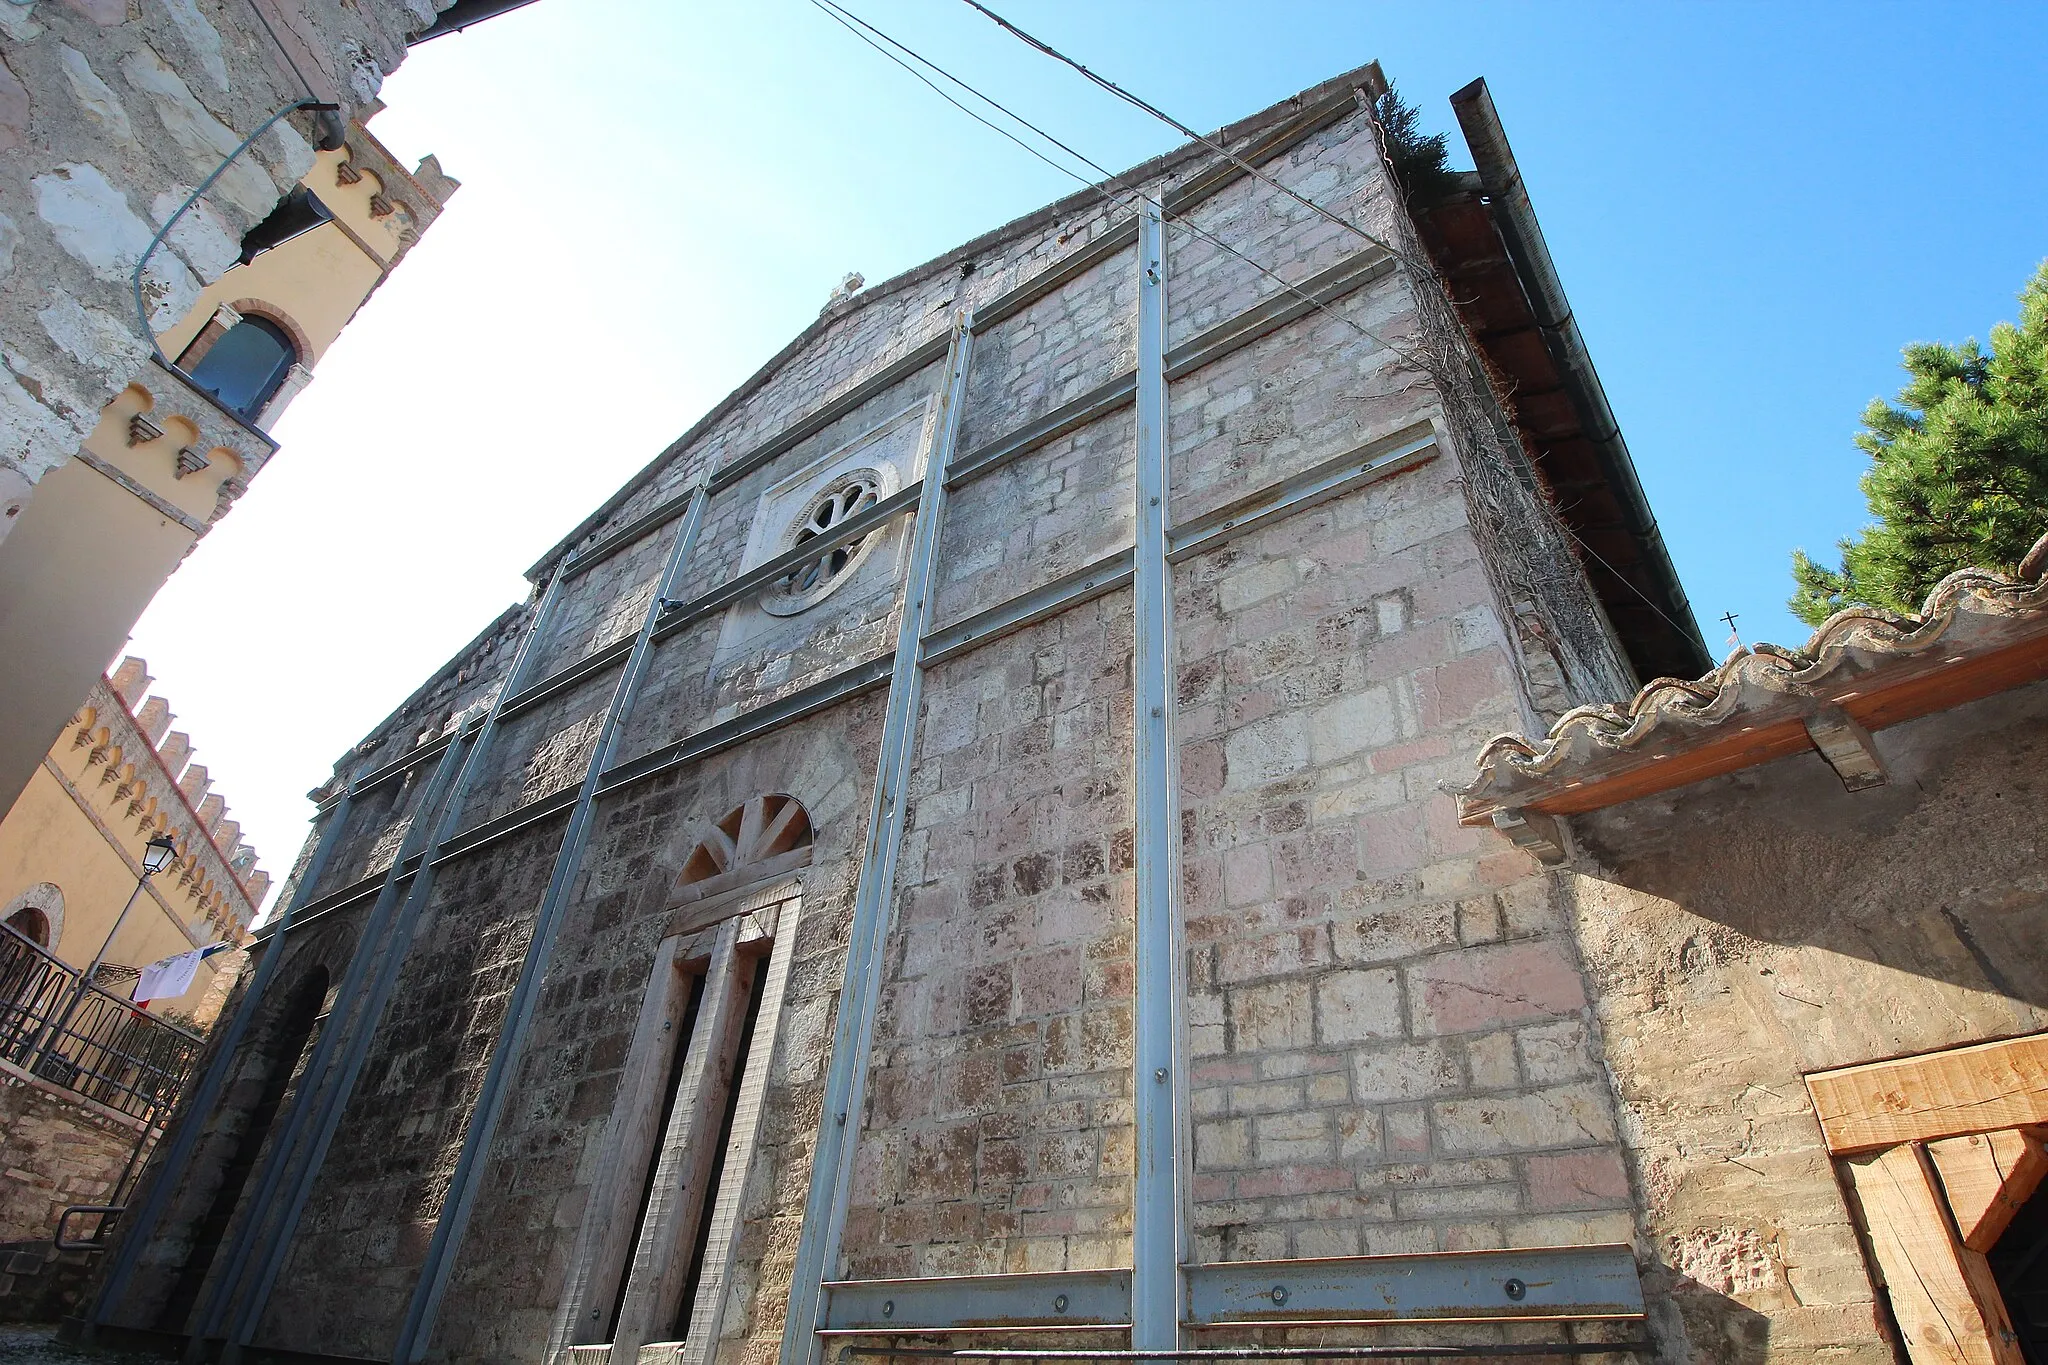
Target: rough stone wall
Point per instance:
(1389, 1031)
(998, 1130)
(178, 1238)
(1751, 929)
(1392, 1005)
(109, 114)
(366, 1226)
(57, 1151)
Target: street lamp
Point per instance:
(156, 856)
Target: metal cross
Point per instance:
(1733, 637)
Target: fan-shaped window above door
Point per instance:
(769, 836)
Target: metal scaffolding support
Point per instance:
(456, 1206)
(170, 1168)
(379, 954)
(846, 1081)
(1158, 1085)
(1163, 1300)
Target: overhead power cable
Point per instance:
(883, 42)
(861, 29)
(1184, 130)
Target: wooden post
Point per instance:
(1988, 1177)
(605, 1243)
(689, 1157)
(1948, 1308)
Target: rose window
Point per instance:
(811, 582)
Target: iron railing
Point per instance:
(70, 1032)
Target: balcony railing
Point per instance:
(72, 1033)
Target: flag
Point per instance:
(172, 976)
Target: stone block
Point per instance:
(1490, 987)
(1594, 1179)
(1406, 1071)
(1357, 1006)
(1561, 1116)
(1272, 1016)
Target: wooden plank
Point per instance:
(1988, 1176)
(605, 1240)
(689, 1156)
(1941, 1095)
(1942, 1296)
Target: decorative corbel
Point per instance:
(190, 461)
(1535, 833)
(141, 431)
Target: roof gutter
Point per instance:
(461, 15)
(1515, 218)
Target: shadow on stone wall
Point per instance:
(1939, 874)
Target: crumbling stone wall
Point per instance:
(1746, 931)
(110, 112)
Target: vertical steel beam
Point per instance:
(1158, 1239)
(418, 1328)
(817, 1250)
(135, 1232)
(380, 952)
(370, 950)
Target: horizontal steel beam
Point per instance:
(499, 827)
(1214, 177)
(841, 686)
(1559, 1283)
(585, 560)
(556, 683)
(1059, 1298)
(1231, 335)
(761, 575)
(1090, 581)
(1278, 309)
(1090, 407)
(1379, 459)
(1179, 200)
(1225, 172)
(1122, 237)
(930, 353)
(1404, 450)
(1541, 1282)
(397, 767)
(1489, 1350)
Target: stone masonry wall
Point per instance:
(998, 1128)
(1385, 1010)
(1754, 928)
(54, 1151)
(109, 114)
(1389, 1033)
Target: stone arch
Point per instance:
(766, 836)
(37, 914)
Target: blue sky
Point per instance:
(1753, 207)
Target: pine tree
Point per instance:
(1959, 471)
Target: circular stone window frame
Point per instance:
(781, 598)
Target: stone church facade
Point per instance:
(962, 840)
